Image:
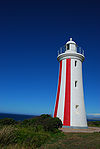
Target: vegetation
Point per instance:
(45, 121)
(75, 141)
(94, 123)
(42, 132)
(31, 133)
(7, 121)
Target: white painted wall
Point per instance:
(78, 115)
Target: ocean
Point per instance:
(21, 117)
(17, 117)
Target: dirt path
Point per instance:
(89, 130)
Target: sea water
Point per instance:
(17, 117)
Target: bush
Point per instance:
(29, 133)
(8, 135)
(35, 121)
(94, 123)
(46, 121)
(7, 121)
(52, 124)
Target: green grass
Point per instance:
(43, 133)
(26, 137)
(75, 141)
(31, 133)
(64, 141)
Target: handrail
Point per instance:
(63, 49)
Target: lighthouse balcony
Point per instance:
(76, 52)
(64, 50)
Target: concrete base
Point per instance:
(89, 130)
(75, 127)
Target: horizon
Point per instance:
(88, 115)
(31, 33)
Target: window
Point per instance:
(76, 106)
(75, 83)
(77, 109)
(75, 63)
(67, 46)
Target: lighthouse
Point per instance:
(69, 106)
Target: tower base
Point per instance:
(75, 127)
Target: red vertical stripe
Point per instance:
(66, 121)
(58, 92)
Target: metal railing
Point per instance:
(63, 49)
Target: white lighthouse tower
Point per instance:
(69, 105)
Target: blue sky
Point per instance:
(31, 33)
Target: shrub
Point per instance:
(29, 133)
(51, 124)
(45, 121)
(8, 135)
(94, 123)
(35, 121)
(7, 121)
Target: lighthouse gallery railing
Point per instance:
(78, 50)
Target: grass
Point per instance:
(65, 141)
(26, 138)
(75, 141)
(42, 133)
(31, 133)
(12, 135)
